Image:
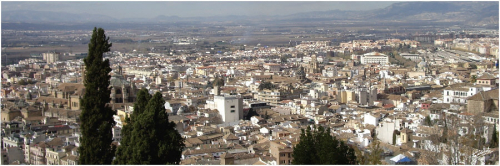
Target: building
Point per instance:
(230, 107)
(272, 67)
(117, 133)
(483, 102)
(486, 79)
(346, 96)
(412, 57)
(122, 91)
(371, 119)
(385, 130)
(460, 94)
(367, 97)
(205, 70)
(281, 151)
(313, 67)
(51, 57)
(274, 97)
(374, 57)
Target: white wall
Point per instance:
(229, 108)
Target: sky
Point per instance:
(144, 9)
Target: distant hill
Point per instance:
(482, 12)
(47, 17)
(467, 12)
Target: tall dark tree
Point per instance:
(251, 113)
(494, 138)
(96, 118)
(319, 147)
(124, 151)
(266, 85)
(428, 121)
(218, 81)
(153, 139)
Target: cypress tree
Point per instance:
(96, 118)
(319, 147)
(394, 137)
(251, 113)
(124, 151)
(494, 138)
(153, 140)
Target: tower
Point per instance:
(216, 90)
(120, 72)
(113, 95)
(125, 94)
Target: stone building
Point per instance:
(313, 66)
(281, 152)
(483, 102)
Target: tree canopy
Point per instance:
(96, 118)
(266, 85)
(152, 139)
(251, 113)
(318, 147)
(494, 138)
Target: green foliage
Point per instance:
(251, 113)
(191, 109)
(376, 153)
(284, 59)
(394, 137)
(266, 85)
(124, 151)
(494, 138)
(473, 79)
(320, 147)
(428, 121)
(151, 138)
(444, 137)
(96, 118)
(218, 81)
(361, 158)
(22, 82)
(266, 116)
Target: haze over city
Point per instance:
(130, 9)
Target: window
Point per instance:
(282, 161)
(232, 111)
(282, 155)
(232, 106)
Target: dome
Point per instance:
(118, 81)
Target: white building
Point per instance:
(460, 94)
(374, 57)
(385, 129)
(412, 57)
(371, 119)
(117, 133)
(330, 72)
(230, 107)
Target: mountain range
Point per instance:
(447, 11)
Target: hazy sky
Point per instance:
(144, 9)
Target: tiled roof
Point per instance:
(482, 96)
(486, 76)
